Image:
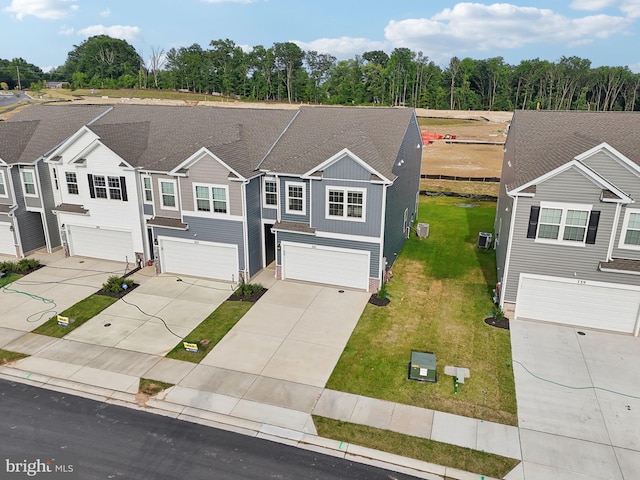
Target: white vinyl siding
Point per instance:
(603, 306)
(328, 265)
(7, 243)
(199, 259)
(102, 243)
(346, 203)
(168, 194)
(295, 198)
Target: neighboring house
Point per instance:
(216, 192)
(26, 198)
(567, 224)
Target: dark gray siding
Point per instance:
(46, 189)
(254, 226)
(374, 248)
(32, 202)
(147, 209)
(402, 194)
(371, 227)
(8, 186)
(283, 201)
(504, 208)
(579, 262)
(347, 168)
(209, 230)
(29, 223)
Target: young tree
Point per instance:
(289, 58)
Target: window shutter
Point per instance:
(123, 186)
(592, 229)
(533, 222)
(92, 191)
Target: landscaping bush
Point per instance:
(248, 289)
(21, 266)
(114, 284)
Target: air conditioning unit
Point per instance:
(423, 230)
(484, 240)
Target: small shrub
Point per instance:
(498, 313)
(21, 266)
(382, 293)
(114, 284)
(248, 289)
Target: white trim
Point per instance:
(345, 236)
(263, 222)
(35, 182)
(246, 272)
(593, 283)
(608, 149)
(143, 177)
(60, 149)
(565, 207)
(211, 212)
(3, 181)
(199, 155)
(342, 153)
(212, 216)
(287, 184)
(623, 231)
(175, 194)
(614, 231)
(345, 190)
(582, 168)
(613, 270)
(382, 267)
(507, 258)
(264, 192)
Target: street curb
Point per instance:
(243, 426)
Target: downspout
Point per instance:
(381, 262)
(146, 248)
(245, 231)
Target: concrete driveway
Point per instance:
(578, 402)
(155, 316)
(62, 282)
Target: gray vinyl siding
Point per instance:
(269, 213)
(30, 202)
(347, 168)
(504, 208)
(288, 217)
(579, 262)
(374, 248)
(147, 209)
(29, 223)
(370, 228)
(8, 200)
(157, 197)
(402, 194)
(209, 230)
(48, 200)
(254, 226)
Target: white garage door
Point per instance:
(200, 259)
(312, 263)
(100, 243)
(604, 306)
(7, 243)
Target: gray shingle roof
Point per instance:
(159, 138)
(34, 131)
(545, 140)
(317, 133)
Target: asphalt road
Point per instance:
(105, 441)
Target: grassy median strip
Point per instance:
(7, 356)
(440, 296)
(212, 329)
(423, 449)
(78, 314)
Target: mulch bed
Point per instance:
(247, 298)
(117, 294)
(504, 323)
(379, 302)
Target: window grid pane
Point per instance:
(575, 234)
(72, 182)
(295, 198)
(354, 207)
(168, 197)
(632, 237)
(550, 215)
(548, 231)
(634, 221)
(577, 218)
(271, 195)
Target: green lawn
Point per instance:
(7, 356)
(79, 313)
(6, 280)
(440, 296)
(213, 328)
(419, 448)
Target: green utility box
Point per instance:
(423, 367)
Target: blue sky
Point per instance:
(604, 31)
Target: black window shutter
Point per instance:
(533, 222)
(592, 229)
(123, 186)
(92, 191)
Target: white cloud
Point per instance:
(64, 30)
(631, 8)
(123, 32)
(105, 13)
(474, 27)
(45, 9)
(343, 47)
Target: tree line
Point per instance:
(285, 72)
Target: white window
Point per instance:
(562, 223)
(630, 235)
(3, 186)
(295, 198)
(346, 203)
(270, 199)
(147, 189)
(211, 198)
(72, 182)
(29, 182)
(168, 194)
(55, 178)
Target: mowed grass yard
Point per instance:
(440, 296)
